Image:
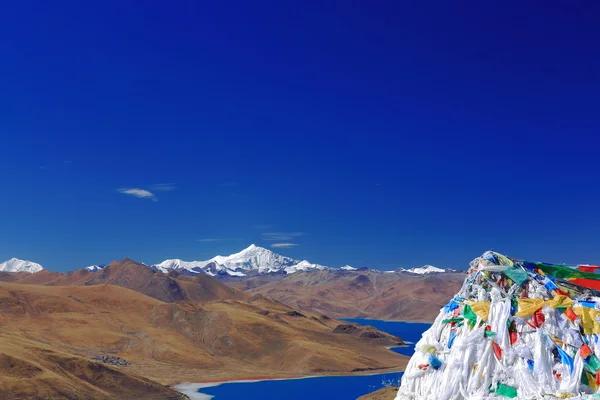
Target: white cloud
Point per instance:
(139, 193)
(163, 187)
(277, 236)
(284, 245)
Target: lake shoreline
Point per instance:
(388, 320)
(190, 389)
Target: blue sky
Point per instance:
(379, 134)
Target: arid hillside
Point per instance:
(50, 334)
(129, 274)
(386, 393)
(367, 294)
(338, 294)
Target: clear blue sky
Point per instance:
(389, 134)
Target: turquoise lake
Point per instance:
(324, 388)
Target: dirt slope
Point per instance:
(50, 333)
(372, 294)
(386, 393)
(133, 275)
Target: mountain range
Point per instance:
(127, 331)
(267, 314)
(251, 261)
(366, 293)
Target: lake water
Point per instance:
(327, 387)
(409, 331)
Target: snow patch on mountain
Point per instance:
(95, 268)
(426, 269)
(348, 268)
(180, 265)
(16, 265)
(305, 266)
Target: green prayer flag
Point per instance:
(592, 363)
(563, 272)
(446, 321)
(516, 274)
(506, 391)
(470, 315)
(584, 378)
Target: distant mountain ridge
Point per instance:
(426, 269)
(251, 261)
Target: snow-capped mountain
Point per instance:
(251, 260)
(348, 268)
(427, 269)
(255, 258)
(16, 265)
(94, 268)
(304, 266)
(180, 265)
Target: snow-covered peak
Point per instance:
(255, 258)
(16, 265)
(177, 264)
(426, 269)
(348, 268)
(304, 266)
(94, 268)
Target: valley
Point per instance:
(113, 330)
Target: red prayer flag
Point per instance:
(513, 337)
(538, 318)
(588, 283)
(497, 351)
(585, 351)
(598, 377)
(588, 268)
(569, 313)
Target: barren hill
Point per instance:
(129, 274)
(49, 334)
(372, 294)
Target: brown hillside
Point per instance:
(165, 342)
(133, 275)
(372, 294)
(386, 393)
(12, 276)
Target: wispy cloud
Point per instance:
(163, 187)
(210, 240)
(284, 245)
(139, 193)
(277, 236)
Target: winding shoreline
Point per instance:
(190, 389)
